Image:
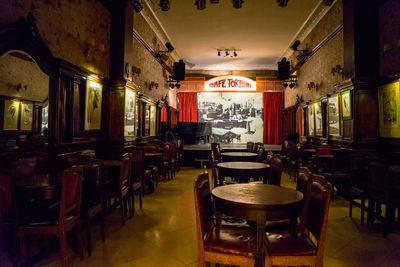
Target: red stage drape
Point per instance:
(163, 114)
(187, 106)
(273, 105)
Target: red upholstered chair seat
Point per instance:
(232, 241)
(298, 245)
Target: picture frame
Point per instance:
(93, 107)
(389, 110)
(152, 120)
(11, 115)
(333, 112)
(147, 120)
(130, 114)
(346, 106)
(26, 116)
(310, 120)
(318, 119)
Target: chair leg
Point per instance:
(133, 202)
(128, 198)
(386, 220)
(362, 210)
(89, 237)
(63, 248)
(140, 198)
(80, 239)
(121, 203)
(351, 206)
(102, 226)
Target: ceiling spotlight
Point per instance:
(171, 85)
(164, 4)
(169, 47)
(214, 1)
(226, 53)
(177, 85)
(219, 53)
(237, 3)
(234, 53)
(137, 5)
(285, 85)
(201, 4)
(295, 45)
(291, 85)
(282, 3)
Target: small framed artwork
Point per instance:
(11, 114)
(130, 104)
(333, 116)
(346, 105)
(26, 116)
(389, 110)
(147, 120)
(310, 120)
(152, 120)
(318, 119)
(93, 105)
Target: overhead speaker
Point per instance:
(283, 69)
(179, 71)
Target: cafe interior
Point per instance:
(199, 133)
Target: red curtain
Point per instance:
(164, 114)
(273, 105)
(187, 106)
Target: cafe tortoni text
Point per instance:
(230, 83)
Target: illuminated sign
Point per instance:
(230, 83)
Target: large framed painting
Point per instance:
(152, 120)
(11, 114)
(333, 116)
(389, 110)
(94, 92)
(310, 120)
(235, 117)
(318, 119)
(147, 120)
(26, 116)
(346, 105)
(130, 107)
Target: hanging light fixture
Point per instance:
(282, 3)
(237, 3)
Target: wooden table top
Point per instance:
(324, 156)
(239, 154)
(152, 154)
(243, 165)
(262, 195)
(311, 150)
(39, 181)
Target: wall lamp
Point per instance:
(303, 52)
(91, 47)
(237, 3)
(136, 70)
(201, 4)
(152, 85)
(137, 5)
(291, 82)
(282, 3)
(337, 69)
(312, 85)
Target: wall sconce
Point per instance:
(136, 70)
(282, 3)
(164, 4)
(152, 85)
(304, 53)
(312, 85)
(337, 69)
(137, 5)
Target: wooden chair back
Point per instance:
(92, 186)
(214, 174)
(303, 177)
(343, 160)
(166, 152)
(203, 208)
(324, 150)
(276, 171)
(216, 148)
(379, 180)
(125, 171)
(137, 166)
(316, 209)
(71, 193)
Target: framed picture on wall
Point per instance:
(152, 120)
(389, 110)
(346, 105)
(310, 120)
(333, 116)
(26, 116)
(93, 105)
(318, 119)
(130, 108)
(11, 114)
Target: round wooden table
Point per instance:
(239, 156)
(242, 171)
(40, 186)
(253, 202)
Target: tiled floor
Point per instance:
(164, 234)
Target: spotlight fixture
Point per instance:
(237, 3)
(214, 1)
(291, 82)
(234, 53)
(226, 53)
(282, 3)
(201, 4)
(164, 4)
(219, 53)
(303, 52)
(169, 47)
(137, 5)
(295, 45)
(285, 84)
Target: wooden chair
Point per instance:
(382, 190)
(119, 189)
(68, 217)
(8, 214)
(92, 198)
(216, 148)
(249, 146)
(300, 249)
(137, 178)
(275, 175)
(180, 152)
(167, 162)
(223, 245)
